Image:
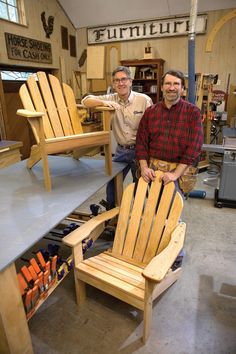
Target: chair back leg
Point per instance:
(46, 172)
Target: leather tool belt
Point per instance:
(161, 165)
(186, 182)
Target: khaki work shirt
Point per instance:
(125, 121)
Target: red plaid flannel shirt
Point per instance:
(174, 135)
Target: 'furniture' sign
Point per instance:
(22, 48)
(149, 29)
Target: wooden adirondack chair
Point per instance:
(147, 241)
(52, 113)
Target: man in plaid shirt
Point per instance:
(170, 131)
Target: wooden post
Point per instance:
(14, 331)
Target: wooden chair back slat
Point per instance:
(173, 220)
(72, 109)
(61, 106)
(159, 222)
(146, 220)
(25, 98)
(28, 104)
(50, 104)
(135, 219)
(39, 106)
(124, 216)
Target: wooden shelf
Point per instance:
(145, 68)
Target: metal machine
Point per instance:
(225, 195)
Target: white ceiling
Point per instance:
(87, 13)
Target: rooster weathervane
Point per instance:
(47, 24)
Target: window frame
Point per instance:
(21, 13)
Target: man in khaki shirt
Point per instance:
(129, 109)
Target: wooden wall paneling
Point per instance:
(34, 30)
(98, 85)
(84, 84)
(217, 27)
(76, 84)
(3, 112)
(62, 69)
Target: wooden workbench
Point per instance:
(9, 152)
(28, 212)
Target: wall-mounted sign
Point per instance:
(22, 48)
(176, 26)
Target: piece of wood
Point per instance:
(14, 331)
(61, 107)
(173, 220)
(123, 219)
(72, 109)
(50, 106)
(95, 62)
(160, 264)
(135, 218)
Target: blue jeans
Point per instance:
(126, 156)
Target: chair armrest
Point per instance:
(160, 264)
(103, 108)
(97, 108)
(78, 235)
(29, 114)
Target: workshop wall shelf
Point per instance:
(146, 74)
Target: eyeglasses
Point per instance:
(123, 80)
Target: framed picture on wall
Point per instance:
(64, 38)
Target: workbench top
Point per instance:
(28, 211)
(10, 145)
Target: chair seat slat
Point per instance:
(109, 279)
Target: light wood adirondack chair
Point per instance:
(147, 241)
(52, 113)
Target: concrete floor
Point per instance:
(197, 315)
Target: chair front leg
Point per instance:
(80, 289)
(147, 314)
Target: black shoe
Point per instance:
(177, 263)
(106, 204)
(94, 209)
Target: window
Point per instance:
(12, 10)
(15, 75)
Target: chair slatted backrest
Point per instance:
(146, 220)
(72, 109)
(46, 95)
